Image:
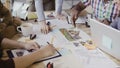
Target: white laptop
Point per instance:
(106, 38)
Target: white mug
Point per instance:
(26, 29)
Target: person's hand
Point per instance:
(31, 45)
(74, 16)
(44, 27)
(48, 50)
(105, 21)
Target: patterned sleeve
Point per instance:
(114, 23)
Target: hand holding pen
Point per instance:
(48, 50)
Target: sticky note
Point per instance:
(107, 42)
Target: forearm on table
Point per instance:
(58, 6)
(39, 10)
(25, 61)
(9, 44)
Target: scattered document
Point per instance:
(20, 9)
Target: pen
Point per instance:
(67, 20)
(52, 40)
(37, 44)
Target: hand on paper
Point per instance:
(44, 27)
(48, 50)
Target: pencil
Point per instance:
(52, 40)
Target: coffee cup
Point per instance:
(25, 28)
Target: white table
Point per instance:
(72, 56)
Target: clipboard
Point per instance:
(19, 52)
